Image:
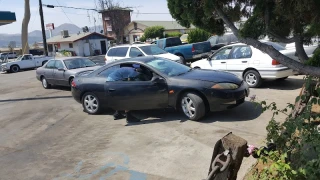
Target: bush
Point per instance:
(198, 35)
(315, 60)
(154, 32)
(143, 38)
(173, 34)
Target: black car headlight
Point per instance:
(225, 86)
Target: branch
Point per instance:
(282, 39)
(272, 52)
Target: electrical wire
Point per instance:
(64, 12)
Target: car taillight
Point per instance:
(193, 50)
(275, 62)
(105, 59)
(73, 84)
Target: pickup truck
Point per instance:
(26, 61)
(187, 52)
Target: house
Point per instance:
(82, 44)
(134, 30)
(7, 17)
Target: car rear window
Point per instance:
(118, 52)
(112, 52)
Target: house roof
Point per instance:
(7, 17)
(74, 37)
(168, 25)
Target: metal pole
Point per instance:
(43, 30)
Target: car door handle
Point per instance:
(223, 62)
(244, 61)
(111, 90)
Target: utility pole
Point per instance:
(43, 30)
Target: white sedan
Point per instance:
(247, 62)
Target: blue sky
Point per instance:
(77, 17)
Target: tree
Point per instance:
(173, 34)
(143, 39)
(24, 29)
(198, 35)
(154, 32)
(287, 21)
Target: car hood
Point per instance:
(212, 76)
(168, 56)
(74, 71)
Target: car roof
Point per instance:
(67, 58)
(132, 45)
(137, 59)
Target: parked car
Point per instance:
(61, 71)
(36, 52)
(131, 51)
(247, 62)
(186, 52)
(26, 61)
(165, 84)
(218, 42)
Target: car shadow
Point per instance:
(34, 98)
(245, 112)
(62, 88)
(287, 84)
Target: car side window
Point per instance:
(50, 65)
(105, 73)
(112, 52)
(135, 52)
(222, 40)
(121, 51)
(59, 65)
(240, 52)
(27, 57)
(222, 54)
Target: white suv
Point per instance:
(138, 50)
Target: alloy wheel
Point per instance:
(188, 107)
(251, 79)
(91, 103)
(44, 83)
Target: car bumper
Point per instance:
(4, 68)
(276, 73)
(226, 99)
(76, 94)
(199, 56)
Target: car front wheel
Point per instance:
(45, 83)
(90, 103)
(253, 78)
(192, 106)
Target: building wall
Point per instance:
(118, 19)
(129, 32)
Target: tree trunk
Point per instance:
(300, 51)
(25, 24)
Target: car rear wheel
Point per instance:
(45, 83)
(182, 60)
(192, 106)
(253, 78)
(90, 103)
(14, 69)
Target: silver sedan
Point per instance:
(61, 71)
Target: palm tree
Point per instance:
(25, 24)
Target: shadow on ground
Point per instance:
(34, 98)
(245, 112)
(287, 84)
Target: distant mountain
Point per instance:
(36, 36)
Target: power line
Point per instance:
(64, 12)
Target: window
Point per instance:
(59, 65)
(168, 67)
(173, 42)
(121, 51)
(50, 64)
(160, 43)
(27, 57)
(112, 52)
(108, 71)
(70, 45)
(222, 39)
(241, 52)
(222, 54)
(152, 50)
(135, 52)
(213, 40)
(78, 63)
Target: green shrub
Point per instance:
(315, 59)
(173, 34)
(198, 35)
(154, 32)
(143, 38)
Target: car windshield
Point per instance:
(275, 45)
(168, 67)
(19, 58)
(152, 50)
(78, 63)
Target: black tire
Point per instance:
(281, 79)
(252, 78)
(197, 104)
(70, 80)
(90, 108)
(14, 68)
(45, 83)
(182, 60)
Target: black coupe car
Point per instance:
(153, 83)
